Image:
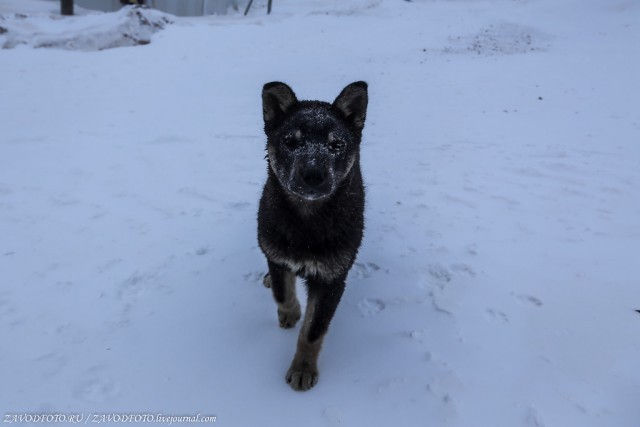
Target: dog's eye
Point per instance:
(336, 146)
(291, 141)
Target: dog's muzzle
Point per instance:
(312, 179)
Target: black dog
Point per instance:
(311, 215)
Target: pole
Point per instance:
(248, 7)
(66, 7)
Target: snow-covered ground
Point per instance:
(87, 30)
(499, 277)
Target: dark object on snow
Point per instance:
(248, 7)
(311, 214)
(251, 2)
(133, 2)
(66, 7)
(638, 311)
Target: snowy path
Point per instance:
(499, 274)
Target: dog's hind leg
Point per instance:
(282, 282)
(322, 302)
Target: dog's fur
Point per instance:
(311, 215)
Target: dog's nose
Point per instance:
(313, 176)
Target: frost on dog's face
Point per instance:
(313, 145)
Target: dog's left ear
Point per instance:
(352, 103)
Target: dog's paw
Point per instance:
(266, 280)
(302, 376)
(289, 318)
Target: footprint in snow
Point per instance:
(334, 415)
(497, 316)
(202, 251)
(238, 205)
(463, 268)
(5, 304)
(417, 335)
(439, 275)
(96, 387)
(533, 418)
(254, 277)
(392, 384)
(370, 306)
(528, 299)
(134, 287)
(51, 364)
(364, 270)
(472, 249)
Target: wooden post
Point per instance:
(66, 7)
(248, 7)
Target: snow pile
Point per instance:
(130, 26)
(503, 38)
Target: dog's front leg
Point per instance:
(282, 282)
(322, 301)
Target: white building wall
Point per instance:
(175, 7)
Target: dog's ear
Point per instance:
(352, 103)
(277, 99)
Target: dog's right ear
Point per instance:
(277, 99)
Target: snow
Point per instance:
(89, 31)
(498, 280)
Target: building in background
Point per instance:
(174, 7)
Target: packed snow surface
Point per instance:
(498, 281)
(89, 31)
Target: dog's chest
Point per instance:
(326, 262)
